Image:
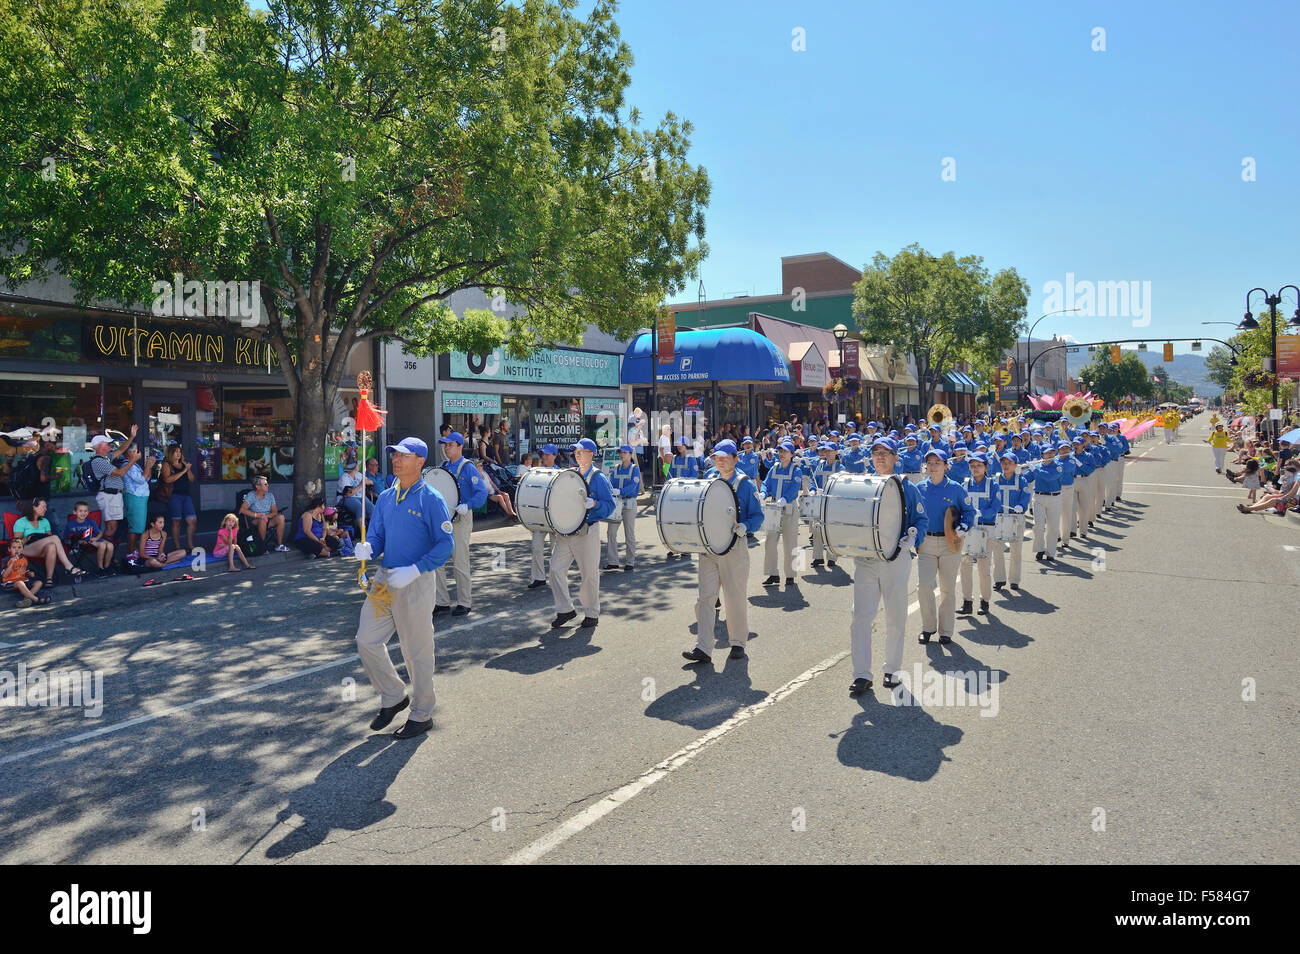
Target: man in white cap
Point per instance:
(729, 571)
(473, 494)
(112, 481)
(412, 529)
(583, 546)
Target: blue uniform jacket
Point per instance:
(747, 464)
(473, 491)
(939, 497)
(855, 461)
(751, 511)
(626, 480)
(1083, 463)
(1123, 443)
(916, 515)
(1047, 478)
(415, 531)
(983, 496)
(1069, 467)
(683, 467)
(783, 483)
(909, 462)
(823, 470)
(599, 489)
(1013, 493)
(958, 470)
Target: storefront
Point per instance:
(557, 395)
(72, 373)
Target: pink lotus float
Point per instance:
(1054, 402)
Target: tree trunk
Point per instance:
(309, 446)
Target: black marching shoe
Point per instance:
(924, 637)
(588, 622)
(789, 581)
(441, 609)
(984, 607)
(1039, 555)
(965, 608)
(772, 580)
(562, 618)
(998, 586)
(830, 563)
(536, 583)
(859, 687)
(388, 713)
(1071, 534)
(1015, 586)
(629, 568)
(944, 639)
(891, 680)
(737, 652)
(460, 611)
(697, 655)
(817, 563)
(413, 728)
(610, 566)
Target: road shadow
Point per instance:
(788, 600)
(900, 740)
(955, 658)
(555, 649)
(348, 794)
(1021, 601)
(710, 699)
(991, 631)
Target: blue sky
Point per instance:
(1122, 165)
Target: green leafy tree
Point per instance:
(1218, 366)
(940, 310)
(1114, 382)
(1252, 385)
(363, 160)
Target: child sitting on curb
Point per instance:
(83, 534)
(18, 578)
(227, 548)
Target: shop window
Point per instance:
(257, 434)
(207, 443)
(66, 411)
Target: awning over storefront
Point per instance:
(957, 383)
(714, 354)
(808, 366)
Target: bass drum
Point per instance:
(443, 482)
(550, 500)
(863, 516)
(697, 516)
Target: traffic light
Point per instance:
(1114, 354)
(1008, 362)
(1169, 351)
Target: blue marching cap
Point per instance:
(1064, 445)
(411, 445)
(627, 448)
(746, 440)
(855, 437)
(936, 453)
(550, 449)
(1080, 440)
(452, 438)
(1007, 455)
(835, 433)
(886, 443)
(586, 444)
(910, 437)
(967, 430)
(724, 447)
(977, 458)
(1047, 448)
(787, 445)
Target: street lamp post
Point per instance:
(840, 332)
(1248, 323)
(1029, 350)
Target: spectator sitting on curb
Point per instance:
(227, 546)
(40, 543)
(153, 552)
(259, 507)
(83, 534)
(311, 537)
(18, 578)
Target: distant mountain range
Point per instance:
(1188, 369)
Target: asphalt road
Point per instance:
(234, 722)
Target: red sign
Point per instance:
(1288, 356)
(849, 360)
(667, 333)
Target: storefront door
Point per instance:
(169, 419)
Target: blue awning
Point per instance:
(958, 383)
(714, 354)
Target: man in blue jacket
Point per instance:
(411, 528)
(583, 546)
(626, 479)
(730, 571)
(1013, 500)
(982, 491)
(877, 581)
(935, 559)
(1047, 505)
(781, 485)
(473, 494)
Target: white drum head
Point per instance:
(719, 517)
(530, 498)
(443, 482)
(891, 515)
(566, 502)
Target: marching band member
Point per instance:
(1069, 474)
(829, 464)
(627, 487)
(729, 571)
(683, 465)
(1013, 497)
(1084, 467)
(549, 453)
(1105, 498)
(747, 461)
(473, 494)
(983, 496)
(782, 483)
(855, 459)
(1047, 505)
(909, 461)
(413, 531)
(1121, 451)
(876, 581)
(958, 465)
(583, 546)
(935, 559)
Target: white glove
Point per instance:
(402, 576)
(961, 532)
(362, 551)
(908, 539)
(462, 509)
(1017, 509)
(591, 502)
(740, 530)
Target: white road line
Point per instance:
(219, 697)
(1159, 493)
(1152, 483)
(594, 813)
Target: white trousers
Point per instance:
(1119, 477)
(986, 577)
(728, 573)
(411, 617)
(784, 541)
(539, 554)
(1219, 454)
(1017, 543)
(461, 527)
(935, 561)
(874, 582)
(584, 548)
(1082, 503)
(628, 521)
(819, 542)
(1047, 523)
(1069, 504)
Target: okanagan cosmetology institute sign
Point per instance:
(593, 369)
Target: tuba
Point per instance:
(939, 416)
(1076, 411)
